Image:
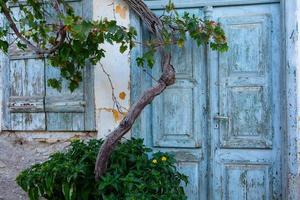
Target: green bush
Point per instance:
(131, 175)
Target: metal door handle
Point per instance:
(224, 118)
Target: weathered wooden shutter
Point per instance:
(26, 95)
(66, 110)
(30, 104)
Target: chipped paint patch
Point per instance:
(117, 115)
(122, 95)
(106, 122)
(121, 10)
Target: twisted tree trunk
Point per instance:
(167, 78)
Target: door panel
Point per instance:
(181, 131)
(237, 185)
(245, 79)
(245, 130)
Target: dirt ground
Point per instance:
(17, 154)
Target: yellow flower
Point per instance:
(154, 161)
(164, 158)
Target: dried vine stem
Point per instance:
(167, 78)
(116, 103)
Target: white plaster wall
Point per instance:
(115, 63)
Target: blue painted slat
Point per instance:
(26, 83)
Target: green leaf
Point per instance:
(180, 42)
(66, 191)
(85, 194)
(73, 85)
(140, 61)
(4, 46)
(123, 48)
(170, 6)
(72, 194)
(55, 83)
(68, 20)
(21, 46)
(33, 194)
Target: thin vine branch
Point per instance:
(150, 75)
(120, 108)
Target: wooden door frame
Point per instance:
(291, 63)
(290, 93)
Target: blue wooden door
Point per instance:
(29, 104)
(222, 118)
(245, 105)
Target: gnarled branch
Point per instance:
(152, 22)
